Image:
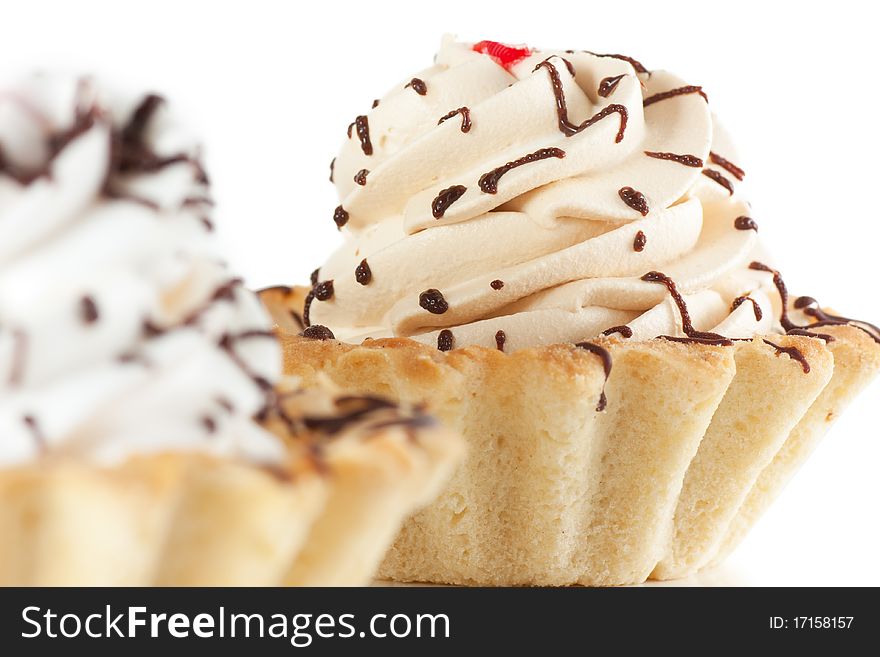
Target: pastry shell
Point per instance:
(694, 443)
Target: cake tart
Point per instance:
(137, 372)
(552, 250)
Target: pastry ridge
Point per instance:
(696, 440)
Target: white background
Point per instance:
(272, 86)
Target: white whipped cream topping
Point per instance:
(557, 233)
(121, 332)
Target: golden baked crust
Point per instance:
(694, 443)
(325, 517)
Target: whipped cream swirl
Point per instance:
(512, 202)
(121, 331)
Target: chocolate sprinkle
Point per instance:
(314, 276)
(759, 314)
(605, 356)
(500, 339)
(640, 241)
(465, 118)
(209, 424)
(375, 104)
(318, 332)
(793, 352)
(332, 167)
(432, 300)
(362, 273)
(324, 290)
(489, 180)
(625, 331)
(720, 179)
(635, 200)
(727, 165)
(88, 310)
(496, 284)
(445, 340)
(608, 85)
(687, 160)
(745, 223)
(672, 93)
(340, 216)
(565, 125)
(360, 177)
(445, 198)
(418, 85)
(362, 126)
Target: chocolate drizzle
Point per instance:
(565, 125)
(88, 310)
(687, 160)
(489, 180)
(727, 165)
(745, 223)
(340, 217)
(418, 85)
(445, 198)
(605, 356)
(672, 93)
(637, 65)
(445, 340)
(634, 199)
(318, 332)
(608, 85)
(128, 151)
(784, 320)
(793, 352)
(687, 326)
(720, 179)
(36, 432)
(827, 319)
(362, 127)
(759, 314)
(624, 330)
(362, 273)
(19, 356)
(500, 339)
(360, 178)
(810, 307)
(640, 241)
(496, 284)
(352, 409)
(130, 154)
(465, 118)
(432, 300)
(322, 292)
(810, 334)
(227, 343)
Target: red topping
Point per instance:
(503, 54)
